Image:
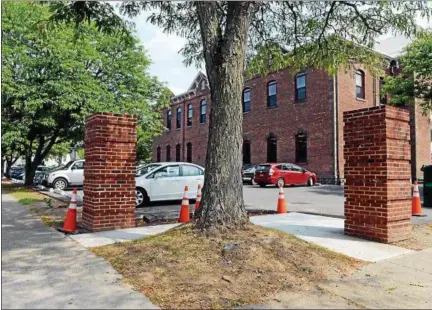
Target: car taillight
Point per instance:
(271, 171)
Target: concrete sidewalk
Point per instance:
(43, 269)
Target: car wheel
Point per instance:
(141, 198)
(280, 182)
(60, 184)
(262, 185)
(310, 182)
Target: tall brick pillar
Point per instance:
(377, 172)
(109, 174)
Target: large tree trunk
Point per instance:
(222, 205)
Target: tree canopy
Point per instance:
(52, 80)
(415, 79)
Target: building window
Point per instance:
(189, 152)
(271, 94)
(189, 117)
(178, 118)
(168, 153)
(169, 119)
(203, 111)
(301, 148)
(178, 151)
(383, 96)
(246, 152)
(246, 99)
(271, 149)
(300, 85)
(158, 154)
(360, 84)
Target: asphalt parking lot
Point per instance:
(323, 200)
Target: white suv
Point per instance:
(166, 181)
(70, 174)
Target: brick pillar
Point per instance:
(109, 174)
(377, 172)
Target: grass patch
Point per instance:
(420, 238)
(183, 268)
(28, 201)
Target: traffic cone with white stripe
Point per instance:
(198, 199)
(184, 209)
(281, 207)
(416, 203)
(70, 223)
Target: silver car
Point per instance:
(68, 175)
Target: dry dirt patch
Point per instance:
(421, 238)
(182, 268)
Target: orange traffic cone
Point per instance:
(184, 209)
(198, 199)
(70, 223)
(281, 207)
(416, 203)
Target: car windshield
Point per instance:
(65, 167)
(146, 169)
(263, 168)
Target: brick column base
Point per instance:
(109, 174)
(377, 172)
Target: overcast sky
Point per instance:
(167, 63)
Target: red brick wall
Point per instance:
(377, 171)
(109, 174)
(196, 134)
(314, 116)
(347, 100)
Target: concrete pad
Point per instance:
(404, 282)
(119, 235)
(329, 233)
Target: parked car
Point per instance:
(41, 171)
(281, 174)
(167, 182)
(16, 172)
(248, 175)
(62, 177)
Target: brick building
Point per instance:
(288, 116)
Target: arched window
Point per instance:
(271, 148)
(189, 117)
(272, 94)
(301, 147)
(178, 117)
(203, 111)
(169, 119)
(246, 152)
(168, 153)
(178, 152)
(300, 86)
(246, 99)
(158, 154)
(189, 152)
(360, 84)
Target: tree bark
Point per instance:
(41, 152)
(222, 205)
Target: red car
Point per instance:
(282, 174)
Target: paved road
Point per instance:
(325, 200)
(43, 269)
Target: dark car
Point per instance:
(281, 174)
(16, 172)
(40, 174)
(248, 174)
